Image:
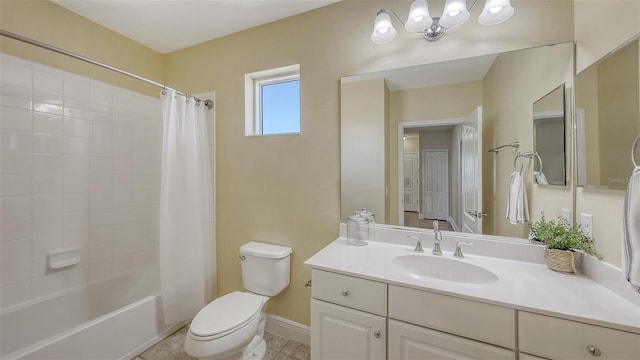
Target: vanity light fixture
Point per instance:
(455, 14)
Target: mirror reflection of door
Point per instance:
(435, 180)
(471, 173)
(411, 182)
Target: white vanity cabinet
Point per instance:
(348, 317)
(555, 338)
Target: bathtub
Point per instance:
(116, 318)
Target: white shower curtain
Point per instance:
(186, 206)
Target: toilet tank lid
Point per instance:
(265, 250)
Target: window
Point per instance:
(272, 101)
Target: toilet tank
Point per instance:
(265, 267)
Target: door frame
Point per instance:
(408, 125)
(446, 183)
(416, 190)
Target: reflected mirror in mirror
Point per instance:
(608, 119)
(549, 134)
(415, 141)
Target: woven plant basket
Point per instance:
(563, 261)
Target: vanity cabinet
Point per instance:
(348, 317)
(556, 338)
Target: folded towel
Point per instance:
(517, 205)
(631, 223)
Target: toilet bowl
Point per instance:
(232, 326)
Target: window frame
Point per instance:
(253, 97)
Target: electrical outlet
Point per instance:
(586, 220)
(565, 215)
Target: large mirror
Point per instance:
(415, 141)
(549, 161)
(608, 119)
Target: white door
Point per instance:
(338, 332)
(435, 184)
(410, 342)
(411, 182)
(471, 176)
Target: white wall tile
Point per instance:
(48, 123)
(121, 133)
(16, 74)
(16, 140)
(47, 285)
(77, 146)
(15, 119)
(15, 96)
(48, 164)
(47, 204)
(101, 93)
(77, 127)
(101, 234)
(15, 293)
(77, 111)
(100, 252)
(47, 184)
(43, 244)
(77, 87)
(15, 162)
(76, 183)
(15, 184)
(15, 206)
(101, 165)
(102, 131)
(47, 103)
(101, 148)
(122, 182)
(76, 164)
(46, 225)
(102, 217)
(77, 239)
(102, 200)
(47, 79)
(39, 267)
(101, 182)
(13, 272)
(76, 202)
(15, 228)
(48, 143)
(102, 114)
(76, 221)
(100, 270)
(121, 199)
(15, 250)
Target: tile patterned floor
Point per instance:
(278, 348)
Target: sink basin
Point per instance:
(419, 266)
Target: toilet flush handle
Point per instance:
(242, 257)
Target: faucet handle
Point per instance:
(458, 253)
(418, 248)
(436, 225)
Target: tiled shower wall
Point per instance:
(80, 168)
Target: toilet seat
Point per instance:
(226, 315)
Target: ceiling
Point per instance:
(169, 25)
(433, 74)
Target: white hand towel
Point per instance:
(631, 223)
(517, 205)
(540, 177)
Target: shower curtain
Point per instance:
(186, 206)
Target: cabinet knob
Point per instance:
(377, 334)
(594, 351)
(345, 293)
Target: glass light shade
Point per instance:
(383, 30)
(455, 13)
(419, 18)
(496, 12)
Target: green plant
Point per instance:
(555, 234)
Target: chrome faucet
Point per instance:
(458, 252)
(438, 235)
(418, 248)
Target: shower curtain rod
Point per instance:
(207, 103)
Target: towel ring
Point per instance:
(633, 151)
(515, 162)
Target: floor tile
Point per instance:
(171, 348)
(296, 350)
(283, 356)
(275, 342)
(270, 355)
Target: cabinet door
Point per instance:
(408, 341)
(338, 332)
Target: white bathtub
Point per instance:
(112, 319)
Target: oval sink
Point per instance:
(443, 268)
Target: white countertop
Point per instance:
(521, 285)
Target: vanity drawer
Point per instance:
(484, 322)
(361, 294)
(564, 339)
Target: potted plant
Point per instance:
(561, 241)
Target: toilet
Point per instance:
(232, 326)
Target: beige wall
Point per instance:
(49, 23)
(514, 82)
(605, 205)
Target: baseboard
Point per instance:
(288, 329)
(453, 224)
